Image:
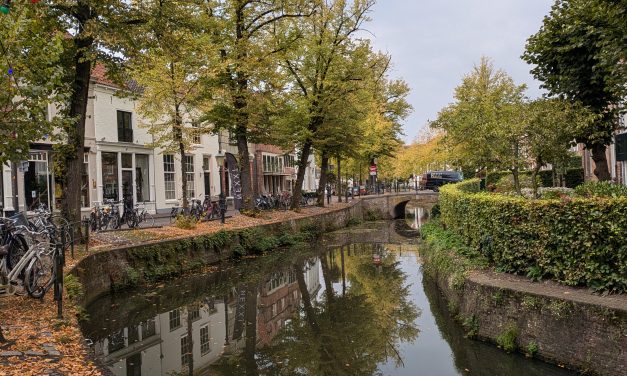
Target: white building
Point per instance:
(119, 161)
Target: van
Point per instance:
(435, 179)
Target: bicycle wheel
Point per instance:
(132, 220)
(147, 220)
(17, 249)
(39, 275)
(116, 222)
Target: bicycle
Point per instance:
(141, 215)
(35, 269)
(211, 209)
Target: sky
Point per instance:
(433, 43)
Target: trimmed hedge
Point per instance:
(578, 242)
(601, 189)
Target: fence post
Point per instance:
(58, 279)
(86, 236)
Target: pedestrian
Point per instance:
(328, 195)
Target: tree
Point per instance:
(94, 30)
(579, 53)
(549, 133)
(335, 83)
(31, 79)
(484, 124)
(171, 69)
(248, 72)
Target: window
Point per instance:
(148, 328)
(195, 133)
(175, 319)
(204, 340)
(116, 341)
(168, 177)
(289, 161)
(186, 350)
(125, 127)
(193, 312)
(110, 176)
(142, 180)
(133, 334)
(189, 170)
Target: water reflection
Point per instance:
(358, 309)
(417, 214)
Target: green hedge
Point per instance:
(601, 189)
(573, 177)
(578, 242)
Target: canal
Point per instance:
(356, 304)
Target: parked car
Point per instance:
(435, 179)
(359, 190)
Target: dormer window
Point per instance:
(125, 127)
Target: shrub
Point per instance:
(185, 222)
(507, 339)
(601, 189)
(576, 242)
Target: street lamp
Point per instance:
(221, 198)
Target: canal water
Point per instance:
(356, 304)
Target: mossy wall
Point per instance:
(585, 337)
(125, 267)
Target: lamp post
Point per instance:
(221, 198)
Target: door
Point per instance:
(207, 180)
(127, 187)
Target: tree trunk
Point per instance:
(73, 162)
(240, 104)
(14, 196)
(183, 171)
(250, 315)
(324, 167)
(190, 349)
(339, 181)
(601, 169)
(300, 175)
(244, 168)
(534, 176)
(516, 176)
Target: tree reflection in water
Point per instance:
(344, 332)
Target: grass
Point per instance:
(507, 339)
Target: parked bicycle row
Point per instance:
(206, 209)
(109, 216)
(282, 201)
(31, 250)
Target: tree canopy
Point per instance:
(579, 54)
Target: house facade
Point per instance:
(120, 162)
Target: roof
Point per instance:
(99, 76)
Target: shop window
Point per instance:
(142, 180)
(110, 176)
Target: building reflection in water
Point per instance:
(188, 339)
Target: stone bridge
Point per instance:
(392, 206)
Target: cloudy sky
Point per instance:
(433, 43)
